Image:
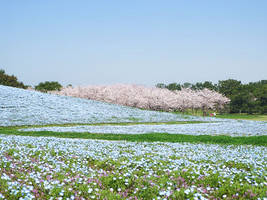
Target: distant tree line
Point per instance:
(11, 80)
(245, 98)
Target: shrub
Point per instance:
(48, 86)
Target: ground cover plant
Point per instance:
(82, 165)
(149, 137)
(49, 168)
(231, 128)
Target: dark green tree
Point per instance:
(229, 87)
(10, 80)
(173, 86)
(207, 84)
(161, 85)
(248, 98)
(187, 85)
(261, 98)
(48, 86)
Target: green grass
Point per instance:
(256, 117)
(190, 112)
(151, 137)
(243, 116)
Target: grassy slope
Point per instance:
(244, 116)
(152, 137)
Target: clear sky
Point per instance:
(142, 42)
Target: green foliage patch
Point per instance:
(245, 98)
(10, 80)
(48, 86)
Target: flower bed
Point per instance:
(53, 168)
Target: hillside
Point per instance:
(24, 107)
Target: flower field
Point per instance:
(52, 167)
(23, 107)
(46, 168)
(231, 128)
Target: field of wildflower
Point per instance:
(24, 107)
(50, 168)
(37, 161)
(231, 128)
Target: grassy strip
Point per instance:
(151, 137)
(244, 116)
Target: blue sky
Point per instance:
(141, 42)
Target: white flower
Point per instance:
(187, 191)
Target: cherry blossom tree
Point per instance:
(151, 98)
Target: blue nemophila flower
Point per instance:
(229, 127)
(70, 168)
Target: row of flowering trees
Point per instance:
(151, 98)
